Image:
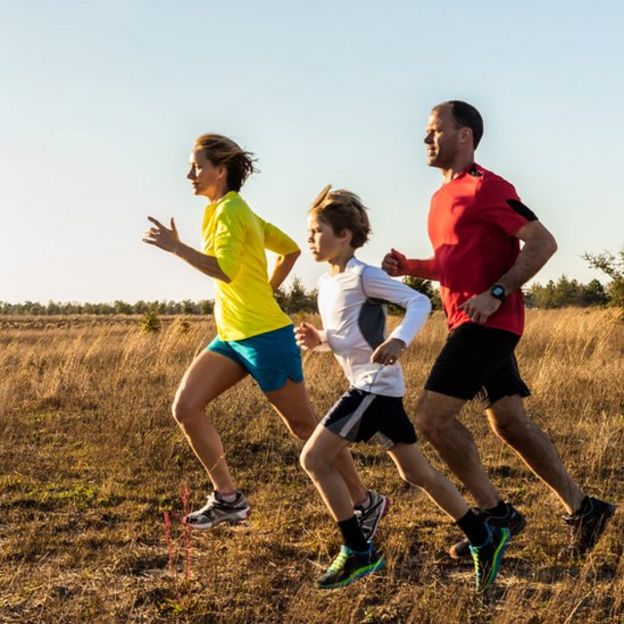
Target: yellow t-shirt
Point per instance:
(237, 238)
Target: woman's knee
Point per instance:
(185, 412)
(301, 429)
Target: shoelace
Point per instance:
(339, 561)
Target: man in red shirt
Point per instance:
(476, 222)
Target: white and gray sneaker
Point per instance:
(216, 510)
(369, 514)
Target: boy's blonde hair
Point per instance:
(220, 150)
(342, 210)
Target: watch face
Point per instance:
(498, 292)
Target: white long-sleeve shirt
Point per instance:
(351, 305)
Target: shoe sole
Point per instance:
(378, 565)
(233, 518)
(461, 550)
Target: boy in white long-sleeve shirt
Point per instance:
(351, 304)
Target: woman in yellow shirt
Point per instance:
(254, 336)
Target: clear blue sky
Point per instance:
(101, 102)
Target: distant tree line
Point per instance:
(562, 293)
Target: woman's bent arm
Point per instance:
(283, 266)
(168, 239)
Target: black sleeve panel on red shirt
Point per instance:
(523, 210)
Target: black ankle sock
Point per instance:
(474, 528)
(585, 506)
(499, 510)
(352, 535)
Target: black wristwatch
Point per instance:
(498, 292)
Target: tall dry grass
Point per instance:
(90, 461)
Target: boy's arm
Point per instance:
(378, 285)
(308, 337)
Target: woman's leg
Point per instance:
(292, 403)
(207, 377)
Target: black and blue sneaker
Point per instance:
(512, 519)
(487, 558)
(349, 566)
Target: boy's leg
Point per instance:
(415, 469)
(487, 545)
(207, 377)
(292, 404)
(357, 557)
(318, 460)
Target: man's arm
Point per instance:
(539, 246)
(168, 239)
(395, 264)
(283, 266)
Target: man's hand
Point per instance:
(307, 336)
(394, 263)
(162, 236)
(388, 352)
(480, 307)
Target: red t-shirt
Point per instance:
(472, 222)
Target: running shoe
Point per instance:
(487, 558)
(369, 515)
(349, 566)
(512, 520)
(216, 510)
(586, 526)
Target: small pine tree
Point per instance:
(150, 322)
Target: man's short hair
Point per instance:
(466, 116)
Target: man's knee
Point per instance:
(508, 419)
(431, 418)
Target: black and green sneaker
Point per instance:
(349, 566)
(487, 558)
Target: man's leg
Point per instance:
(436, 418)
(292, 403)
(511, 423)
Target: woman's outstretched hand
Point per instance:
(162, 236)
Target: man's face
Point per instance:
(442, 138)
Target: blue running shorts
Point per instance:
(270, 358)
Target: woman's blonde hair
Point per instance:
(342, 210)
(223, 151)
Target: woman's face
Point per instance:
(207, 179)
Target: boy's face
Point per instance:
(324, 245)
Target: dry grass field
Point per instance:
(91, 463)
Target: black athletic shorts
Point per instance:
(357, 416)
(478, 361)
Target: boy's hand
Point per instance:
(307, 336)
(394, 263)
(388, 352)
